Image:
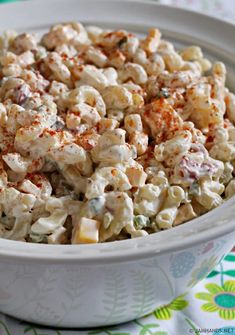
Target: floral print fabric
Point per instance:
(224, 9)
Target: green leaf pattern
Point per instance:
(230, 258)
(4, 327)
(115, 298)
(144, 293)
(165, 312)
(75, 293)
(45, 285)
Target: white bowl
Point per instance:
(109, 283)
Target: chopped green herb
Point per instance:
(194, 189)
(163, 93)
(141, 221)
(41, 53)
(36, 238)
(96, 205)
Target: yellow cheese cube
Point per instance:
(86, 231)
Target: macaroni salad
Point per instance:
(106, 136)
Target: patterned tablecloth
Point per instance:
(209, 308)
(221, 8)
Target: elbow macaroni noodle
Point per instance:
(105, 136)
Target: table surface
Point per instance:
(198, 312)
